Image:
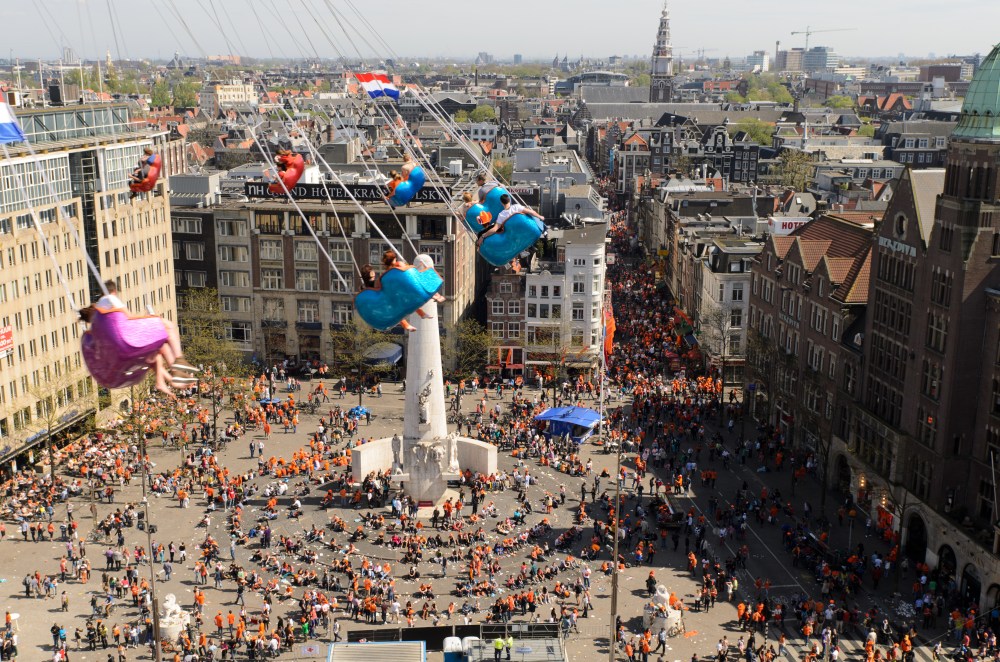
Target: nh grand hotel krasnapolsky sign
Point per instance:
(529, 195)
(361, 192)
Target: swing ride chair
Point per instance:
(519, 232)
(295, 165)
(408, 189)
(149, 183)
(402, 292)
(120, 351)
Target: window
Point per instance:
(576, 337)
(183, 225)
(545, 291)
(579, 286)
(737, 291)
(577, 314)
(271, 249)
(532, 291)
(735, 344)
(937, 331)
(232, 228)
(234, 278)
(513, 307)
(194, 250)
(231, 304)
(196, 278)
(543, 311)
(234, 253)
(177, 250)
(435, 251)
(305, 251)
(497, 328)
(722, 292)
(532, 310)
(274, 310)
(579, 262)
(506, 288)
(930, 379)
(307, 280)
(239, 332)
(922, 143)
(270, 279)
(339, 251)
(497, 307)
(343, 313)
(736, 318)
(308, 310)
(375, 251)
(269, 222)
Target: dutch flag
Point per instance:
(10, 130)
(377, 85)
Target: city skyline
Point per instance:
(42, 30)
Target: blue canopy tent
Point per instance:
(577, 422)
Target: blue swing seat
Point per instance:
(402, 292)
(406, 190)
(519, 232)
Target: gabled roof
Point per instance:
(811, 251)
(837, 268)
(854, 289)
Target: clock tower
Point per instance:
(662, 65)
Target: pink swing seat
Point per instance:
(118, 350)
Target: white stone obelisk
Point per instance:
(428, 456)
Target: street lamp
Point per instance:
(141, 445)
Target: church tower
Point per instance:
(662, 69)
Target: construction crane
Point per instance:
(809, 31)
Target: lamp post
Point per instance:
(141, 445)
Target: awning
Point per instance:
(577, 422)
(383, 352)
(691, 340)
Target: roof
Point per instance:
(837, 267)
(927, 185)
(980, 119)
(854, 289)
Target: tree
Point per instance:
(867, 130)
(461, 116)
(204, 328)
(764, 359)
(483, 113)
(717, 321)
(795, 169)
(759, 131)
(161, 94)
(469, 348)
(503, 170)
(840, 101)
(350, 342)
(185, 95)
(735, 97)
(642, 80)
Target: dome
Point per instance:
(980, 119)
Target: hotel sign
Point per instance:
(361, 192)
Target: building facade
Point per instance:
(87, 153)
(662, 65)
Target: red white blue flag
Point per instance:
(377, 85)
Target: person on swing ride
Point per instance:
(395, 179)
(140, 174)
(390, 260)
(408, 165)
(484, 187)
(171, 368)
(281, 162)
(509, 209)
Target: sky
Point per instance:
(537, 29)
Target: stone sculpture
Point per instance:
(397, 450)
(173, 619)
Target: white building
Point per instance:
(722, 306)
(564, 302)
(216, 95)
(758, 62)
